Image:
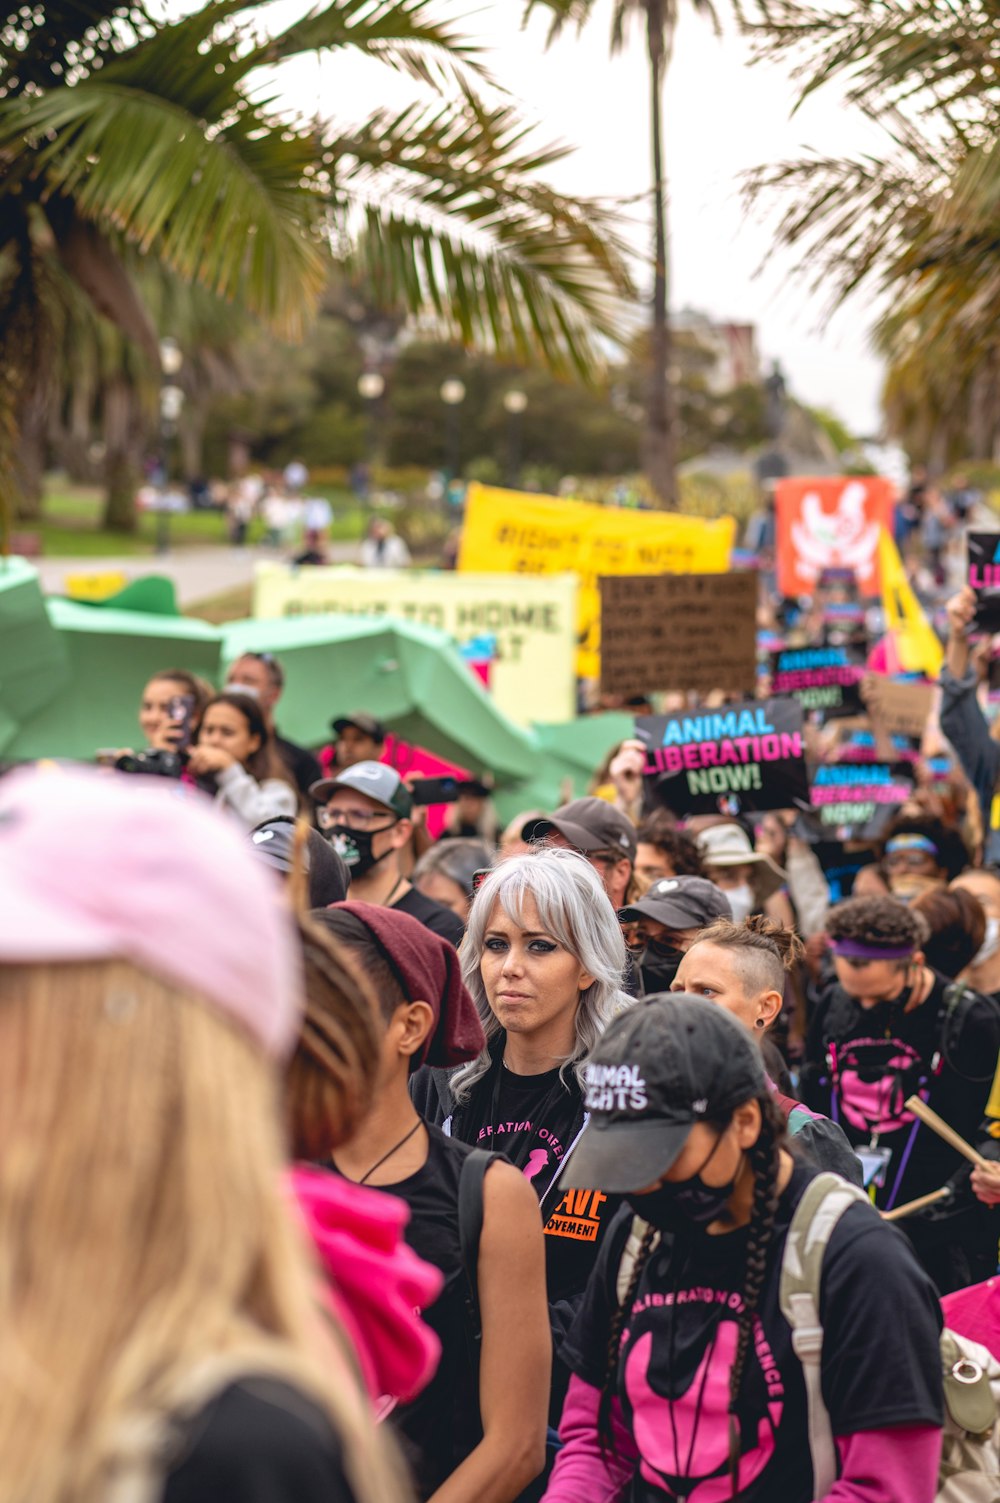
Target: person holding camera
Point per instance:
(234, 757)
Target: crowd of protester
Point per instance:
(601, 1153)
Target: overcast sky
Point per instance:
(723, 117)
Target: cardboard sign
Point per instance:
(678, 631)
(512, 532)
(740, 757)
(826, 679)
(984, 578)
(850, 798)
(830, 523)
(521, 632)
(904, 708)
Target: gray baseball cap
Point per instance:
(589, 824)
(680, 903)
(375, 780)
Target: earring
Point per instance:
(759, 1023)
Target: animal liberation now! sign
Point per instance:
(741, 757)
(984, 578)
(830, 523)
(820, 678)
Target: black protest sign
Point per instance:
(678, 631)
(740, 757)
(825, 679)
(984, 578)
(853, 799)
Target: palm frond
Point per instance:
(151, 169)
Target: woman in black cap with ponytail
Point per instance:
(685, 1381)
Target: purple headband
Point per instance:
(854, 949)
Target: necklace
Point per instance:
(388, 901)
(394, 1149)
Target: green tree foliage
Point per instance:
(129, 141)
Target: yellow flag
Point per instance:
(916, 642)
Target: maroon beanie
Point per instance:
(427, 969)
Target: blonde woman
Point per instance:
(159, 1335)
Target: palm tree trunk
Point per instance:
(125, 440)
(660, 436)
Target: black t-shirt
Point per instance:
(534, 1120)
(865, 1063)
(880, 1363)
(441, 1425)
(302, 764)
(259, 1441)
(434, 916)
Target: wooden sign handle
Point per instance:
(937, 1124)
(915, 1205)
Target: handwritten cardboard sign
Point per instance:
(741, 757)
(984, 578)
(678, 631)
(820, 678)
(903, 708)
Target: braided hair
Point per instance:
(765, 1163)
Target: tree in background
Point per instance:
(920, 224)
(658, 19)
(131, 143)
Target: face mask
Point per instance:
(990, 944)
(659, 964)
(687, 1200)
(741, 901)
(354, 847)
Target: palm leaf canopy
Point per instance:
(162, 134)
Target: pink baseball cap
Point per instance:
(99, 866)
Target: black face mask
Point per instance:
(354, 847)
(659, 963)
(686, 1200)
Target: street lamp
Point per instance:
(515, 405)
(371, 386)
(171, 406)
(453, 395)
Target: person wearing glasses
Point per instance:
(261, 675)
(365, 811)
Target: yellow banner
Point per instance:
(520, 633)
(916, 641)
(94, 586)
(512, 532)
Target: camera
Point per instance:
(155, 764)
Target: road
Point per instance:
(197, 573)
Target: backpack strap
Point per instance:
(470, 1230)
(630, 1254)
(826, 1199)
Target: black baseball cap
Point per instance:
(680, 903)
(668, 1062)
(361, 721)
(329, 877)
(589, 824)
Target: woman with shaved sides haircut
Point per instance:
(742, 967)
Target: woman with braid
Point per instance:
(685, 1382)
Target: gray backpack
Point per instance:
(970, 1457)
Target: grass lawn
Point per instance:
(70, 525)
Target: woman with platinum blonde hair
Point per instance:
(543, 957)
(161, 1331)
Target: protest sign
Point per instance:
(510, 531)
(984, 578)
(678, 631)
(820, 678)
(740, 757)
(830, 523)
(521, 631)
(904, 708)
(850, 797)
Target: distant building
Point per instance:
(732, 346)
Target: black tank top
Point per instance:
(442, 1425)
